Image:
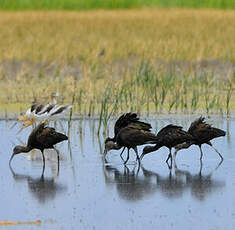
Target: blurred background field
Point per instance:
(106, 62)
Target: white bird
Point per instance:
(40, 112)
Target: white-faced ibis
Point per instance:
(123, 121)
(130, 137)
(169, 136)
(42, 137)
(202, 133)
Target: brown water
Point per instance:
(90, 193)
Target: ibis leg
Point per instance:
(136, 152)
(58, 160)
(43, 158)
(127, 156)
(122, 151)
(58, 154)
(217, 152)
(122, 158)
(169, 157)
(175, 153)
(201, 152)
(182, 146)
(200, 172)
(138, 169)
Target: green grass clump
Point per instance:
(109, 4)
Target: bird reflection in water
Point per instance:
(129, 185)
(137, 184)
(43, 189)
(201, 185)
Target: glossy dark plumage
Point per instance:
(125, 120)
(41, 138)
(131, 137)
(202, 133)
(169, 136)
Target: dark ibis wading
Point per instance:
(124, 121)
(169, 136)
(202, 133)
(41, 138)
(131, 137)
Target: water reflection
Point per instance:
(170, 186)
(201, 185)
(129, 185)
(84, 184)
(136, 184)
(43, 189)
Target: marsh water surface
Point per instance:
(88, 192)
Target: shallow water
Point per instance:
(89, 193)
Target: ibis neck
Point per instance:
(153, 148)
(25, 149)
(116, 146)
(113, 139)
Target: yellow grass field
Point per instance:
(166, 34)
(79, 54)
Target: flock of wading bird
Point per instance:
(129, 132)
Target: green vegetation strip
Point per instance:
(110, 4)
(148, 91)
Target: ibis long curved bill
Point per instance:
(12, 156)
(141, 157)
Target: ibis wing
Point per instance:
(196, 123)
(134, 136)
(49, 137)
(206, 133)
(124, 120)
(176, 137)
(130, 119)
(141, 125)
(36, 131)
(168, 129)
